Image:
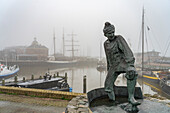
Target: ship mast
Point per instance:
(54, 41)
(63, 44)
(100, 49)
(72, 44)
(143, 39)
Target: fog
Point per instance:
(22, 20)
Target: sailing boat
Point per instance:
(101, 65)
(151, 76)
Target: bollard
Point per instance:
(84, 84)
(66, 77)
(57, 74)
(40, 77)
(32, 77)
(23, 79)
(15, 79)
(54, 76)
(3, 82)
(45, 77)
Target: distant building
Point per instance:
(11, 53)
(36, 49)
(150, 56)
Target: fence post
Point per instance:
(23, 79)
(32, 77)
(3, 82)
(66, 77)
(40, 77)
(84, 84)
(15, 79)
(54, 76)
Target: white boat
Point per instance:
(6, 72)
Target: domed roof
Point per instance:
(35, 44)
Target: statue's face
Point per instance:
(110, 36)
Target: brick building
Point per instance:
(36, 50)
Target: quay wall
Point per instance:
(39, 92)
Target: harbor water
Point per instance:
(95, 79)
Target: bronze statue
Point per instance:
(120, 59)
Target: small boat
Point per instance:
(6, 72)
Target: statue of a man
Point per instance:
(120, 59)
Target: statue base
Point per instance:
(99, 97)
(120, 91)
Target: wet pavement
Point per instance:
(15, 107)
(28, 104)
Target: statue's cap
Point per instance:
(108, 28)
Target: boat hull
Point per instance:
(165, 88)
(157, 83)
(5, 76)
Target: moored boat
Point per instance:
(150, 77)
(165, 86)
(165, 82)
(7, 71)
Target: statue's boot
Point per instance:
(131, 89)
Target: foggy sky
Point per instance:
(22, 20)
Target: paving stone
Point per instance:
(71, 106)
(82, 110)
(73, 103)
(71, 110)
(82, 102)
(83, 106)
